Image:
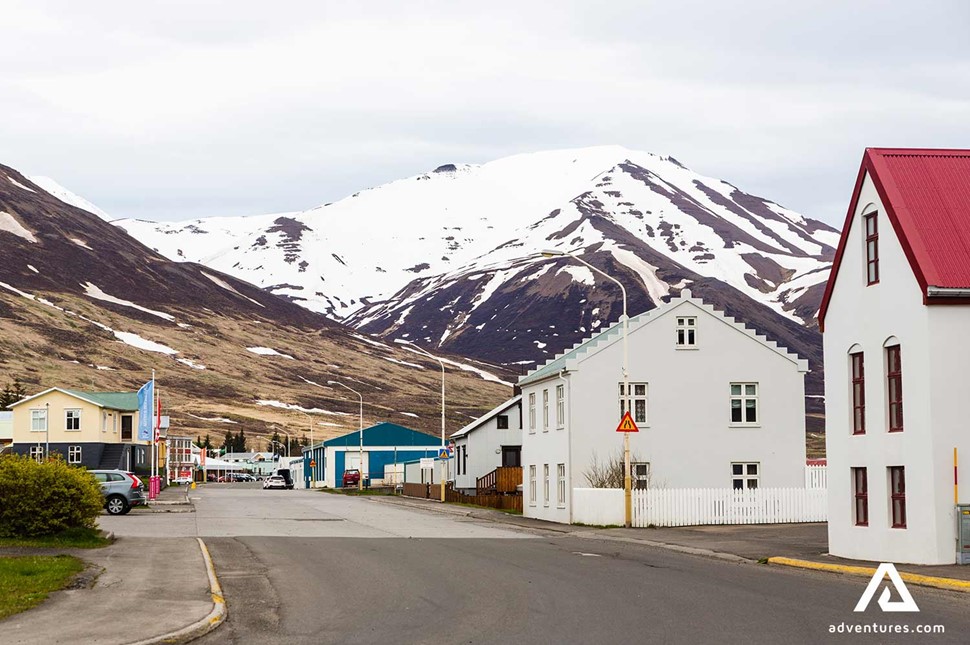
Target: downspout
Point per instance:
(569, 442)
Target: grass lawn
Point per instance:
(25, 581)
(71, 538)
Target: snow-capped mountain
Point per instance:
(449, 257)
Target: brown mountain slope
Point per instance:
(84, 305)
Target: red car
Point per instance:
(351, 478)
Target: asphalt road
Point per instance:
(309, 567)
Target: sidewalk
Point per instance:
(804, 543)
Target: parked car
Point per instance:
(285, 474)
(351, 478)
(241, 477)
(183, 480)
(275, 481)
(122, 490)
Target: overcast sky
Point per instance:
(182, 109)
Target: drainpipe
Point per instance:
(569, 443)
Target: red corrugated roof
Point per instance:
(926, 194)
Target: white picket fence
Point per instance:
(816, 477)
(699, 506)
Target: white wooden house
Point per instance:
(895, 317)
(717, 406)
(492, 441)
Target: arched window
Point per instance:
(871, 227)
(894, 384)
(857, 378)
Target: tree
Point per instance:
(228, 444)
(12, 393)
(241, 441)
(208, 442)
(608, 474)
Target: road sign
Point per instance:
(627, 424)
(427, 463)
(444, 454)
(313, 463)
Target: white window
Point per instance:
(532, 485)
(545, 410)
(532, 411)
(74, 454)
(744, 403)
(104, 422)
(72, 419)
(686, 332)
(639, 397)
(560, 406)
(545, 484)
(38, 420)
(640, 472)
(37, 453)
(745, 475)
(561, 485)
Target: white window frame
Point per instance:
(641, 479)
(532, 485)
(743, 398)
(746, 476)
(37, 453)
(72, 414)
(545, 410)
(74, 454)
(561, 485)
(634, 400)
(560, 407)
(545, 484)
(532, 411)
(686, 332)
(38, 415)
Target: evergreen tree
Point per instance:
(208, 442)
(241, 441)
(11, 393)
(229, 442)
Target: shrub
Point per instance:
(45, 498)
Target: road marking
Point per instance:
(587, 555)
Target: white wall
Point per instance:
(482, 443)
(688, 409)
(867, 316)
(598, 506)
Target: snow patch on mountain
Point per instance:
(66, 196)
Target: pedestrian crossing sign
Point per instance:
(444, 454)
(627, 424)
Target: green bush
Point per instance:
(45, 498)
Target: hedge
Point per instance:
(45, 498)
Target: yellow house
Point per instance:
(93, 429)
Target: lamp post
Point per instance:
(420, 350)
(360, 478)
(627, 483)
(312, 469)
(47, 431)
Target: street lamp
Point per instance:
(401, 341)
(312, 469)
(47, 431)
(627, 483)
(360, 478)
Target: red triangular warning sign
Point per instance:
(627, 424)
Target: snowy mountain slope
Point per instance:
(67, 196)
(364, 248)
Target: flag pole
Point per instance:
(154, 445)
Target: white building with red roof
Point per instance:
(896, 323)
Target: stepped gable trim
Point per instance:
(571, 358)
(474, 425)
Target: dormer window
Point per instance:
(872, 249)
(686, 332)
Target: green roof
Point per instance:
(124, 401)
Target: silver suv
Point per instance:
(121, 490)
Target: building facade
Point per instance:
(493, 440)
(97, 430)
(717, 406)
(895, 317)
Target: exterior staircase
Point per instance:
(504, 479)
(111, 457)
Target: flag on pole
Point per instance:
(158, 418)
(145, 404)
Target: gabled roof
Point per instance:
(121, 401)
(614, 333)
(385, 434)
(926, 194)
(488, 416)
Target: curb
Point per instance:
(205, 625)
(950, 584)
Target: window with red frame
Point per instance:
(872, 249)
(897, 488)
(894, 375)
(860, 484)
(858, 394)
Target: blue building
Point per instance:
(384, 445)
